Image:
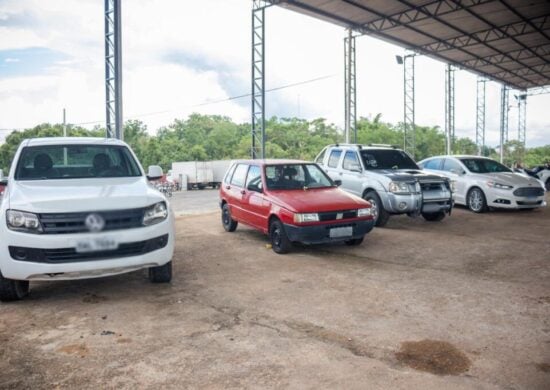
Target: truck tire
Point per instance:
(13, 290)
(381, 216)
(434, 217)
(161, 274)
(279, 240)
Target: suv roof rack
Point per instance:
(385, 146)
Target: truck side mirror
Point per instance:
(154, 172)
(338, 182)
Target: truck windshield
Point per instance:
(75, 162)
(482, 165)
(387, 159)
(296, 176)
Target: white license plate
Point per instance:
(346, 231)
(97, 244)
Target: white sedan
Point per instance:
(481, 182)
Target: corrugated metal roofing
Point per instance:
(504, 40)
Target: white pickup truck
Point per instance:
(78, 208)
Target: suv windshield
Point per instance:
(295, 176)
(387, 159)
(75, 162)
(482, 165)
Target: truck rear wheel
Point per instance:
(381, 216)
(13, 290)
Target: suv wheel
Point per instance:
(279, 240)
(13, 290)
(434, 217)
(161, 274)
(476, 200)
(381, 216)
(228, 223)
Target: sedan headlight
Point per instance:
(155, 214)
(364, 212)
(399, 187)
(499, 186)
(307, 217)
(23, 222)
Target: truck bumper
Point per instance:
(320, 234)
(401, 204)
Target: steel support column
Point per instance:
(408, 104)
(350, 88)
(449, 108)
(480, 115)
(258, 79)
(504, 107)
(522, 118)
(113, 70)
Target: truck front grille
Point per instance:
(64, 223)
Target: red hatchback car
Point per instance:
(292, 201)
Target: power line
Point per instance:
(209, 102)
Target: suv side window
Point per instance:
(433, 164)
(351, 162)
(451, 165)
(334, 158)
(239, 176)
(321, 157)
(254, 177)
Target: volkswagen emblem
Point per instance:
(95, 223)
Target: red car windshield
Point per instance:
(296, 176)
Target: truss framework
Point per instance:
(449, 108)
(408, 103)
(258, 79)
(522, 118)
(480, 115)
(504, 109)
(350, 88)
(113, 70)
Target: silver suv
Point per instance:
(389, 179)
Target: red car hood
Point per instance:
(317, 200)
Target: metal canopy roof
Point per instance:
(504, 40)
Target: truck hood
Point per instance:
(409, 175)
(76, 195)
(509, 178)
(317, 200)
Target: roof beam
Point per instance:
(521, 54)
(515, 12)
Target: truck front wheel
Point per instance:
(13, 290)
(434, 217)
(381, 216)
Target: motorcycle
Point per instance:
(541, 173)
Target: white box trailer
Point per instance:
(219, 167)
(198, 173)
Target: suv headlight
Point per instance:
(364, 212)
(499, 186)
(399, 187)
(155, 214)
(23, 222)
(307, 217)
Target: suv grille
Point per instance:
(69, 255)
(529, 191)
(331, 215)
(64, 223)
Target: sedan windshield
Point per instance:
(296, 176)
(482, 165)
(75, 162)
(387, 159)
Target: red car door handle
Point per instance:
(227, 187)
(243, 192)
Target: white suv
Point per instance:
(78, 208)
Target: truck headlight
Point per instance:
(399, 187)
(453, 185)
(364, 212)
(22, 221)
(307, 217)
(155, 214)
(499, 186)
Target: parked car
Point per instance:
(541, 172)
(389, 179)
(292, 201)
(79, 208)
(481, 182)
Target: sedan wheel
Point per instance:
(476, 200)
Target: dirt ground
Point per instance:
(460, 304)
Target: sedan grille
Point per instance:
(333, 215)
(64, 223)
(529, 191)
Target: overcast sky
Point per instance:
(180, 54)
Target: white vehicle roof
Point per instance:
(458, 156)
(72, 141)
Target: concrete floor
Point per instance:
(473, 289)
